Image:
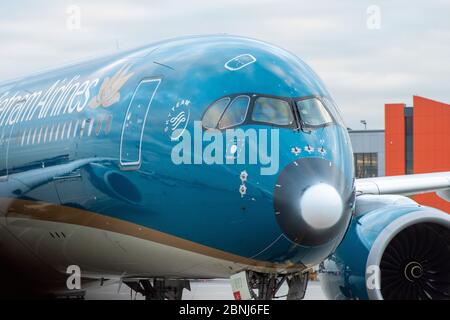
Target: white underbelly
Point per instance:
(107, 254)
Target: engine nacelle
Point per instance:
(393, 249)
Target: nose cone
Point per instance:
(321, 206)
(313, 201)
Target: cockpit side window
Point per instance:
(272, 111)
(334, 110)
(212, 115)
(313, 112)
(235, 113)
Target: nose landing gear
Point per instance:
(248, 285)
(159, 289)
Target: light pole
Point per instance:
(364, 122)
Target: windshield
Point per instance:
(313, 112)
(213, 114)
(334, 110)
(272, 111)
(235, 113)
(239, 109)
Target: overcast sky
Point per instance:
(363, 67)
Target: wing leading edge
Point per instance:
(406, 185)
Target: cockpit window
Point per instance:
(212, 115)
(313, 113)
(238, 109)
(334, 110)
(235, 113)
(273, 111)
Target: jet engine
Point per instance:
(394, 249)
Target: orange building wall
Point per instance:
(431, 125)
(394, 142)
(431, 142)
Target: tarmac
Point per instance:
(200, 290)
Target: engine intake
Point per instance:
(416, 264)
(398, 251)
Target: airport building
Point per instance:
(368, 151)
(416, 139)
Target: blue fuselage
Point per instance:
(97, 138)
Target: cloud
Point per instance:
(362, 68)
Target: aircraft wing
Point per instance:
(406, 185)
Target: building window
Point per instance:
(366, 165)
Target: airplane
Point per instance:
(101, 169)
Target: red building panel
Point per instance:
(431, 125)
(394, 139)
(431, 142)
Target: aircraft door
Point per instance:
(5, 137)
(134, 124)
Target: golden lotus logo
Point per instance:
(109, 92)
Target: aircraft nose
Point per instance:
(313, 201)
(321, 206)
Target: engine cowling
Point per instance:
(393, 249)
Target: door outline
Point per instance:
(5, 148)
(136, 164)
